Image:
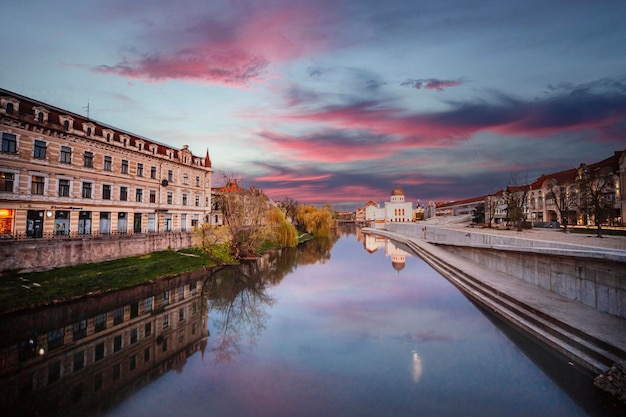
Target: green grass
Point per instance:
(19, 290)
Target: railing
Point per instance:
(75, 234)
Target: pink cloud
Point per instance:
(234, 50)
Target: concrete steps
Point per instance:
(579, 346)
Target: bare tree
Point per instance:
(595, 186)
(563, 199)
(515, 198)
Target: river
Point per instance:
(353, 325)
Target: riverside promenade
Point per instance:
(586, 337)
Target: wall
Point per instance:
(41, 254)
(591, 275)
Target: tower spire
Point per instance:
(207, 159)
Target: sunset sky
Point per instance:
(339, 101)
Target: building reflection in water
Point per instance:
(373, 243)
(82, 357)
(416, 367)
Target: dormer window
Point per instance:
(41, 114)
(125, 139)
(107, 135)
(89, 129)
(67, 122)
(153, 149)
(140, 144)
(9, 105)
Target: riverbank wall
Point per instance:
(41, 254)
(590, 275)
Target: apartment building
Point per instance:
(63, 174)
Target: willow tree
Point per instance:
(317, 222)
(284, 233)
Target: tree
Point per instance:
(595, 186)
(284, 233)
(215, 241)
(515, 198)
(478, 214)
(245, 215)
(289, 207)
(317, 222)
(563, 199)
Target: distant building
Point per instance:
(397, 210)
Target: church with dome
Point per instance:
(395, 211)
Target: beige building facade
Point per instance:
(63, 174)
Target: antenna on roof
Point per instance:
(87, 108)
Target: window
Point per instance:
(140, 170)
(86, 190)
(79, 330)
(55, 338)
(134, 310)
(106, 192)
(185, 179)
(88, 159)
(181, 293)
(194, 221)
(138, 195)
(39, 149)
(37, 185)
(79, 360)
(170, 175)
(64, 188)
(99, 351)
(132, 362)
(6, 181)
(153, 172)
(117, 371)
(97, 382)
(123, 193)
(124, 166)
(146, 355)
(66, 155)
(197, 181)
(117, 343)
(165, 299)
(66, 125)
(118, 315)
(148, 304)
(54, 371)
(147, 330)
(197, 202)
(152, 196)
(133, 335)
(181, 314)
(184, 199)
(108, 163)
(100, 322)
(9, 108)
(166, 321)
(169, 198)
(9, 143)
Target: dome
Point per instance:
(397, 191)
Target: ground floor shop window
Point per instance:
(151, 222)
(6, 221)
(61, 222)
(84, 223)
(122, 222)
(137, 223)
(105, 222)
(34, 223)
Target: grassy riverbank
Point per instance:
(19, 290)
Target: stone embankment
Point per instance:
(524, 281)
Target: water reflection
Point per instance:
(396, 251)
(416, 367)
(80, 357)
(239, 301)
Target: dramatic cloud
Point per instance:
(231, 48)
(431, 84)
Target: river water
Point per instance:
(347, 326)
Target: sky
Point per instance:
(339, 101)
